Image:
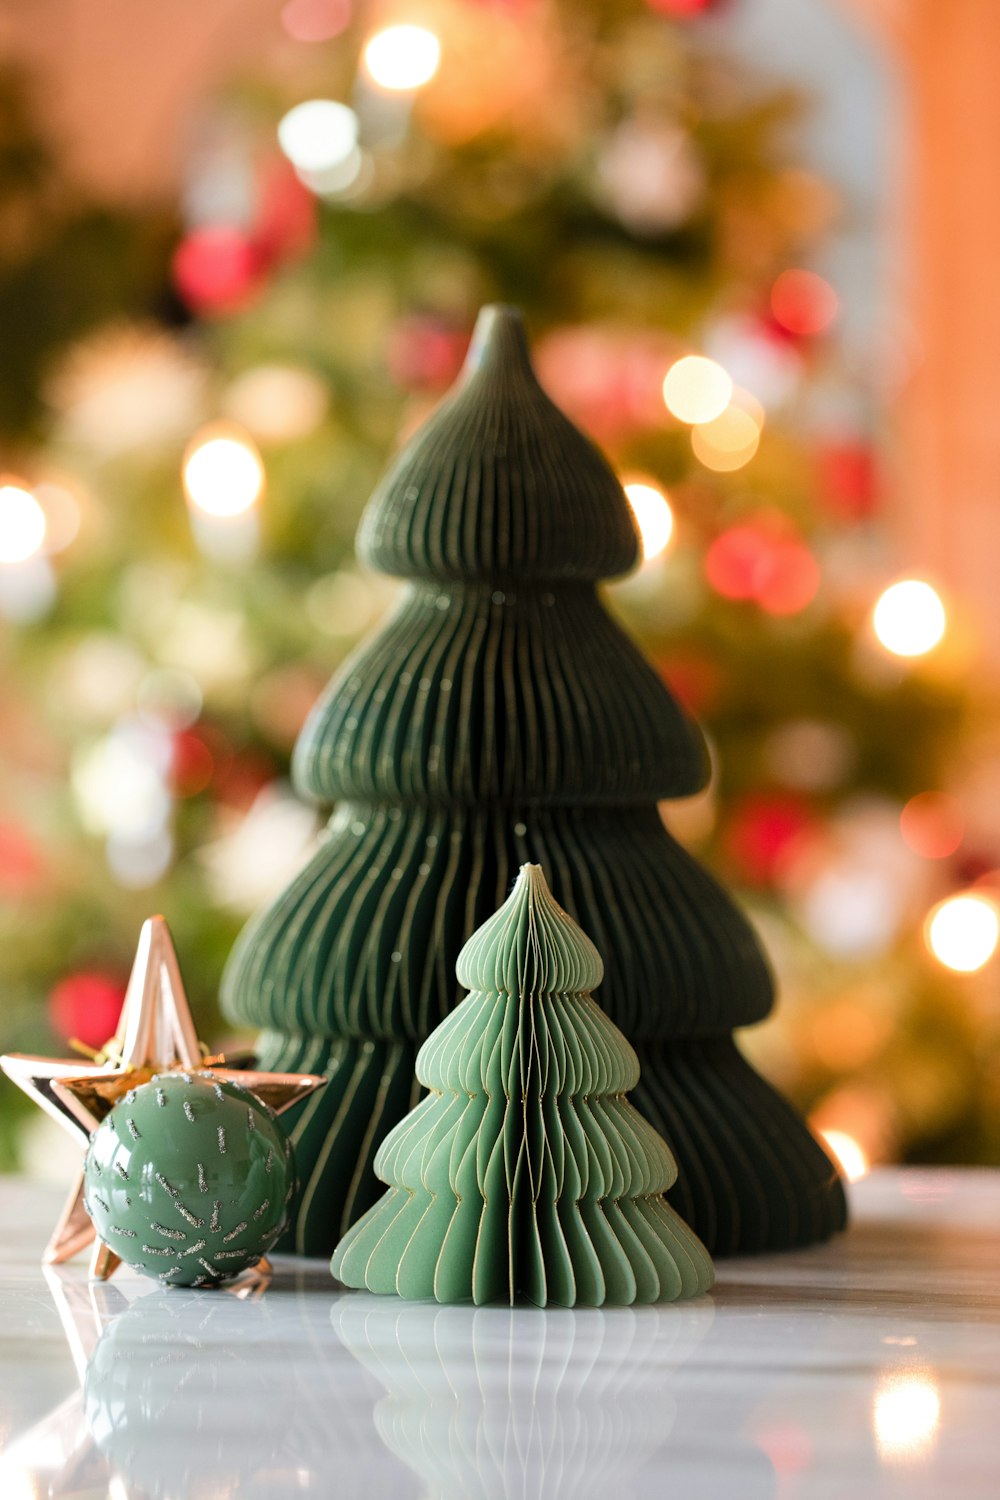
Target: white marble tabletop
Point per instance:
(867, 1367)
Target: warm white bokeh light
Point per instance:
(653, 517)
(223, 473)
(696, 389)
(909, 618)
(906, 1413)
(728, 442)
(22, 524)
(401, 58)
(849, 1153)
(277, 403)
(963, 932)
(318, 134)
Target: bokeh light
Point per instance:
(318, 134)
(760, 561)
(315, 20)
(223, 472)
(728, 442)
(696, 389)
(803, 303)
(22, 523)
(962, 932)
(653, 517)
(906, 1414)
(849, 1153)
(402, 58)
(909, 618)
(277, 403)
(932, 825)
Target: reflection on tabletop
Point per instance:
(851, 1369)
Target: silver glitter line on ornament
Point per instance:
(202, 1181)
(262, 1209)
(234, 1232)
(186, 1213)
(221, 1134)
(168, 1234)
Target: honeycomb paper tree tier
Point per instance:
(499, 718)
(525, 1174)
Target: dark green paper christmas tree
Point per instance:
(500, 717)
(525, 1174)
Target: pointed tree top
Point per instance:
(498, 483)
(531, 946)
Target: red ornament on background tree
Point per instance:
(683, 10)
(763, 831)
(764, 560)
(425, 352)
(284, 227)
(85, 1007)
(218, 270)
(848, 478)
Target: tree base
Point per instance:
(753, 1179)
(752, 1176)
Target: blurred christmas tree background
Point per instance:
(197, 402)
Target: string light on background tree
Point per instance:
(402, 58)
(696, 389)
(318, 134)
(731, 439)
(223, 472)
(962, 931)
(909, 618)
(653, 517)
(22, 524)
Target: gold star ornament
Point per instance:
(155, 1034)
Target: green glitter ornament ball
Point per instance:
(189, 1178)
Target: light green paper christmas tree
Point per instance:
(525, 1174)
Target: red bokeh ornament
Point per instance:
(848, 478)
(803, 303)
(764, 830)
(85, 1007)
(284, 227)
(765, 561)
(192, 764)
(20, 861)
(218, 269)
(683, 9)
(425, 353)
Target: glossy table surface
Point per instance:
(867, 1367)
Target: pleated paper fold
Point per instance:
(502, 717)
(525, 1173)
